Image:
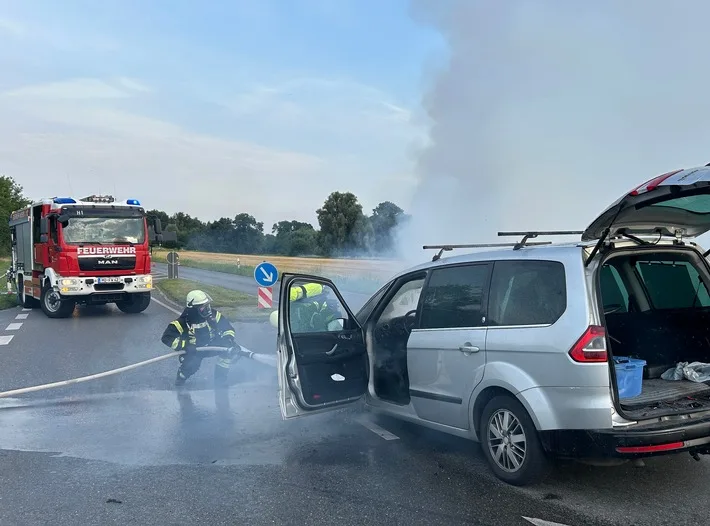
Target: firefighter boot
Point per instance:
(180, 378)
(220, 375)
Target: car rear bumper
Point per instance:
(628, 443)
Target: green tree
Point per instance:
(385, 218)
(294, 238)
(11, 199)
(341, 223)
(248, 234)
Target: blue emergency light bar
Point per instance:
(64, 200)
(135, 202)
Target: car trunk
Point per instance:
(657, 309)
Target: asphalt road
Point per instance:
(133, 450)
(245, 284)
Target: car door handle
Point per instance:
(330, 352)
(467, 348)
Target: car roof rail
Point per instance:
(442, 248)
(536, 233)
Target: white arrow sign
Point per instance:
(540, 522)
(267, 275)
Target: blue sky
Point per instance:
(264, 107)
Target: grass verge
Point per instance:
(363, 281)
(235, 305)
(7, 301)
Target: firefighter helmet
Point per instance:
(200, 301)
(274, 319)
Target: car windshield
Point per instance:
(104, 230)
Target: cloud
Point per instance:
(86, 135)
(11, 27)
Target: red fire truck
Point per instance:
(93, 250)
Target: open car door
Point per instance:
(322, 355)
(673, 204)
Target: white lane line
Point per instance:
(540, 522)
(383, 433)
(26, 310)
(166, 306)
(13, 326)
(21, 316)
(4, 340)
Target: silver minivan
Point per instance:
(585, 350)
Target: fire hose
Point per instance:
(267, 360)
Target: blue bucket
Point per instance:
(629, 376)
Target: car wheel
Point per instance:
(511, 443)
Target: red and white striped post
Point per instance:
(265, 298)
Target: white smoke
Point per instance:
(547, 111)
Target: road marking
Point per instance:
(383, 433)
(166, 306)
(26, 310)
(4, 340)
(13, 326)
(21, 316)
(540, 522)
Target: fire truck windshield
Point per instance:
(104, 230)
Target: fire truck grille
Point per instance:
(107, 263)
(108, 286)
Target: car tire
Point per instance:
(514, 453)
(136, 304)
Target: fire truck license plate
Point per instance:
(109, 280)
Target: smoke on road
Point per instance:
(547, 111)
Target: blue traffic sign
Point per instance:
(266, 274)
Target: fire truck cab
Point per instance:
(93, 250)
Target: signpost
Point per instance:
(173, 263)
(265, 275)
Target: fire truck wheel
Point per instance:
(54, 306)
(137, 303)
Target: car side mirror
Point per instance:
(43, 227)
(158, 226)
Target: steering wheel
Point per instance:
(410, 320)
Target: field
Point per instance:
(236, 306)
(355, 275)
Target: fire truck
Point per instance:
(89, 251)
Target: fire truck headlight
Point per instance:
(69, 282)
(145, 279)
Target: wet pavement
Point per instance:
(132, 450)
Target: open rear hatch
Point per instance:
(656, 298)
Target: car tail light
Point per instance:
(653, 183)
(591, 346)
(650, 449)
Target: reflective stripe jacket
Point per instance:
(215, 330)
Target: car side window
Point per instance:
(455, 297)
(673, 284)
(314, 307)
(404, 300)
(527, 293)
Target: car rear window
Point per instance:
(527, 293)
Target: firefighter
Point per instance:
(200, 325)
(311, 310)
